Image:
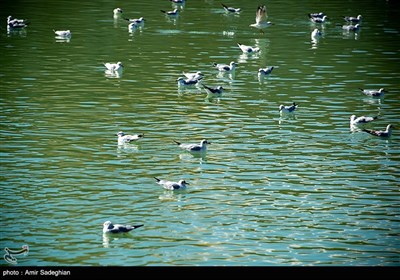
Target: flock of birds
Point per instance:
(190, 79)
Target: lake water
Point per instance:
(270, 190)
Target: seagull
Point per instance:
(215, 90)
(265, 71)
(194, 76)
(361, 120)
(353, 19)
(316, 15)
(226, 68)
(261, 18)
(109, 227)
(318, 19)
(230, 9)
(117, 13)
(62, 33)
(136, 20)
(12, 20)
(315, 34)
(114, 66)
(381, 133)
(373, 92)
(123, 138)
(202, 147)
(177, 1)
(248, 49)
(350, 27)
(288, 109)
(168, 185)
(175, 12)
(187, 82)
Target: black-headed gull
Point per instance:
(202, 147)
(117, 13)
(351, 27)
(182, 82)
(16, 21)
(230, 9)
(318, 19)
(225, 67)
(265, 71)
(315, 34)
(373, 92)
(136, 20)
(123, 138)
(173, 13)
(261, 18)
(194, 76)
(381, 133)
(288, 109)
(354, 120)
(316, 15)
(214, 90)
(248, 49)
(169, 185)
(114, 66)
(62, 33)
(109, 227)
(353, 19)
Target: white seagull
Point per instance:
(316, 15)
(123, 138)
(350, 27)
(381, 133)
(354, 120)
(230, 9)
(173, 13)
(261, 18)
(288, 109)
(373, 92)
(15, 21)
(62, 33)
(182, 82)
(194, 76)
(315, 34)
(214, 90)
(248, 49)
(226, 68)
(265, 71)
(353, 19)
(113, 67)
(202, 147)
(318, 19)
(117, 13)
(168, 185)
(136, 20)
(109, 227)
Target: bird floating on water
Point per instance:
(114, 66)
(194, 76)
(248, 49)
(117, 13)
(172, 186)
(231, 9)
(351, 27)
(123, 138)
(265, 71)
(225, 67)
(374, 92)
(358, 121)
(173, 13)
(214, 90)
(63, 33)
(315, 34)
(353, 19)
(381, 133)
(202, 147)
(109, 227)
(288, 109)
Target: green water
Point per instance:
(271, 190)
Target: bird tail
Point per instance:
(367, 130)
(158, 180)
(206, 87)
(137, 226)
(176, 142)
(163, 11)
(361, 89)
(295, 105)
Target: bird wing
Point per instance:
(261, 14)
